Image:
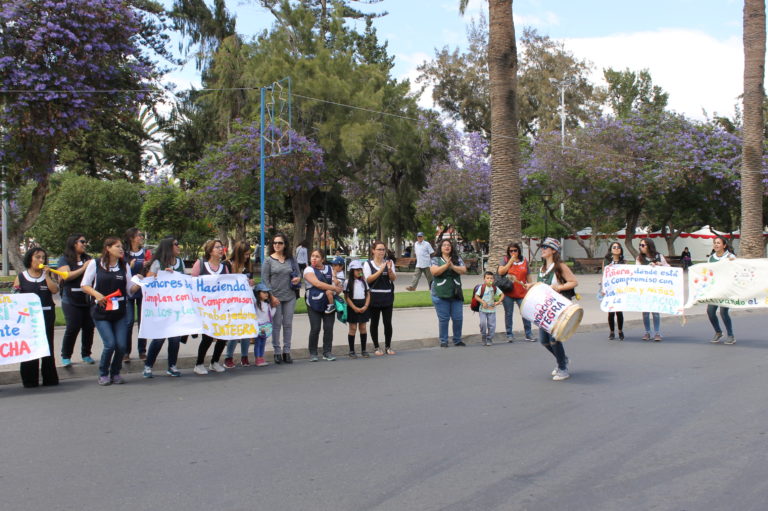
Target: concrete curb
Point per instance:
(80, 370)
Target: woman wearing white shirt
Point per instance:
(720, 252)
(110, 277)
(650, 257)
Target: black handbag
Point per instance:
(503, 283)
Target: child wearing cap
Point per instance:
(338, 279)
(264, 313)
(358, 297)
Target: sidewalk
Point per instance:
(413, 328)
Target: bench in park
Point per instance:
(587, 265)
(405, 263)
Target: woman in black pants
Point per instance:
(615, 255)
(74, 302)
(319, 278)
(38, 281)
(212, 263)
(380, 274)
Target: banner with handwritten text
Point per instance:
(217, 305)
(22, 329)
(643, 288)
(739, 284)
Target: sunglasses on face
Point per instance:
(514, 250)
(643, 245)
(278, 243)
(83, 242)
(175, 243)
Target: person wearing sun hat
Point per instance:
(556, 274)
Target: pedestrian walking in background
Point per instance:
(423, 252)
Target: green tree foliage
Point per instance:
(630, 92)
(94, 207)
(461, 85)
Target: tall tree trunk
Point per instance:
(505, 154)
(17, 230)
(752, 188)
(633, 216)
(300, 206)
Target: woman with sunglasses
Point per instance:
(165, 258)
(515, 267)
(615, 255)
(74, 302)
(649, 256)
(556, 274)
(212, 263)
(281, 274)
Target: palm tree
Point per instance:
(752, 150)
(505, 152)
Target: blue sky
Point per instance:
(691, 47)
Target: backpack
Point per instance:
(475, 304)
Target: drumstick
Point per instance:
(63, 274)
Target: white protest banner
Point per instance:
(225, 305)
(168, 308)
(643, 288)
(22, 329)
(741, 283)
(217, 305)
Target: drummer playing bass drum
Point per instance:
(559, 277)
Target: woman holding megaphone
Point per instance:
(38, 280)
(108, 282)
(74, 302)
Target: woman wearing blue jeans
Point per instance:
(721, 252)
(649, 256)
(515, 267)
(447, 295)
(110, 277)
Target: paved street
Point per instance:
(676, 425)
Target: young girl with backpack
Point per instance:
(265, 313)
(358, 297)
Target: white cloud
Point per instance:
(697, 70)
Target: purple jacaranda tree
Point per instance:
(664, 169)
(226, 180)
(459, 189)
(54, 56)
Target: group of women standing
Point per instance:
(649, 256)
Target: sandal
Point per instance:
(378, 352)
(390, 351)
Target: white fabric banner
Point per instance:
(22, 329)
(741, 283)
(643, 288)
(217, 305)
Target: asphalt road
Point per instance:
(676, 425)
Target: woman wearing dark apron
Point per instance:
(107, 281)
(39, 281)
(74, 302)
(380, 275)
